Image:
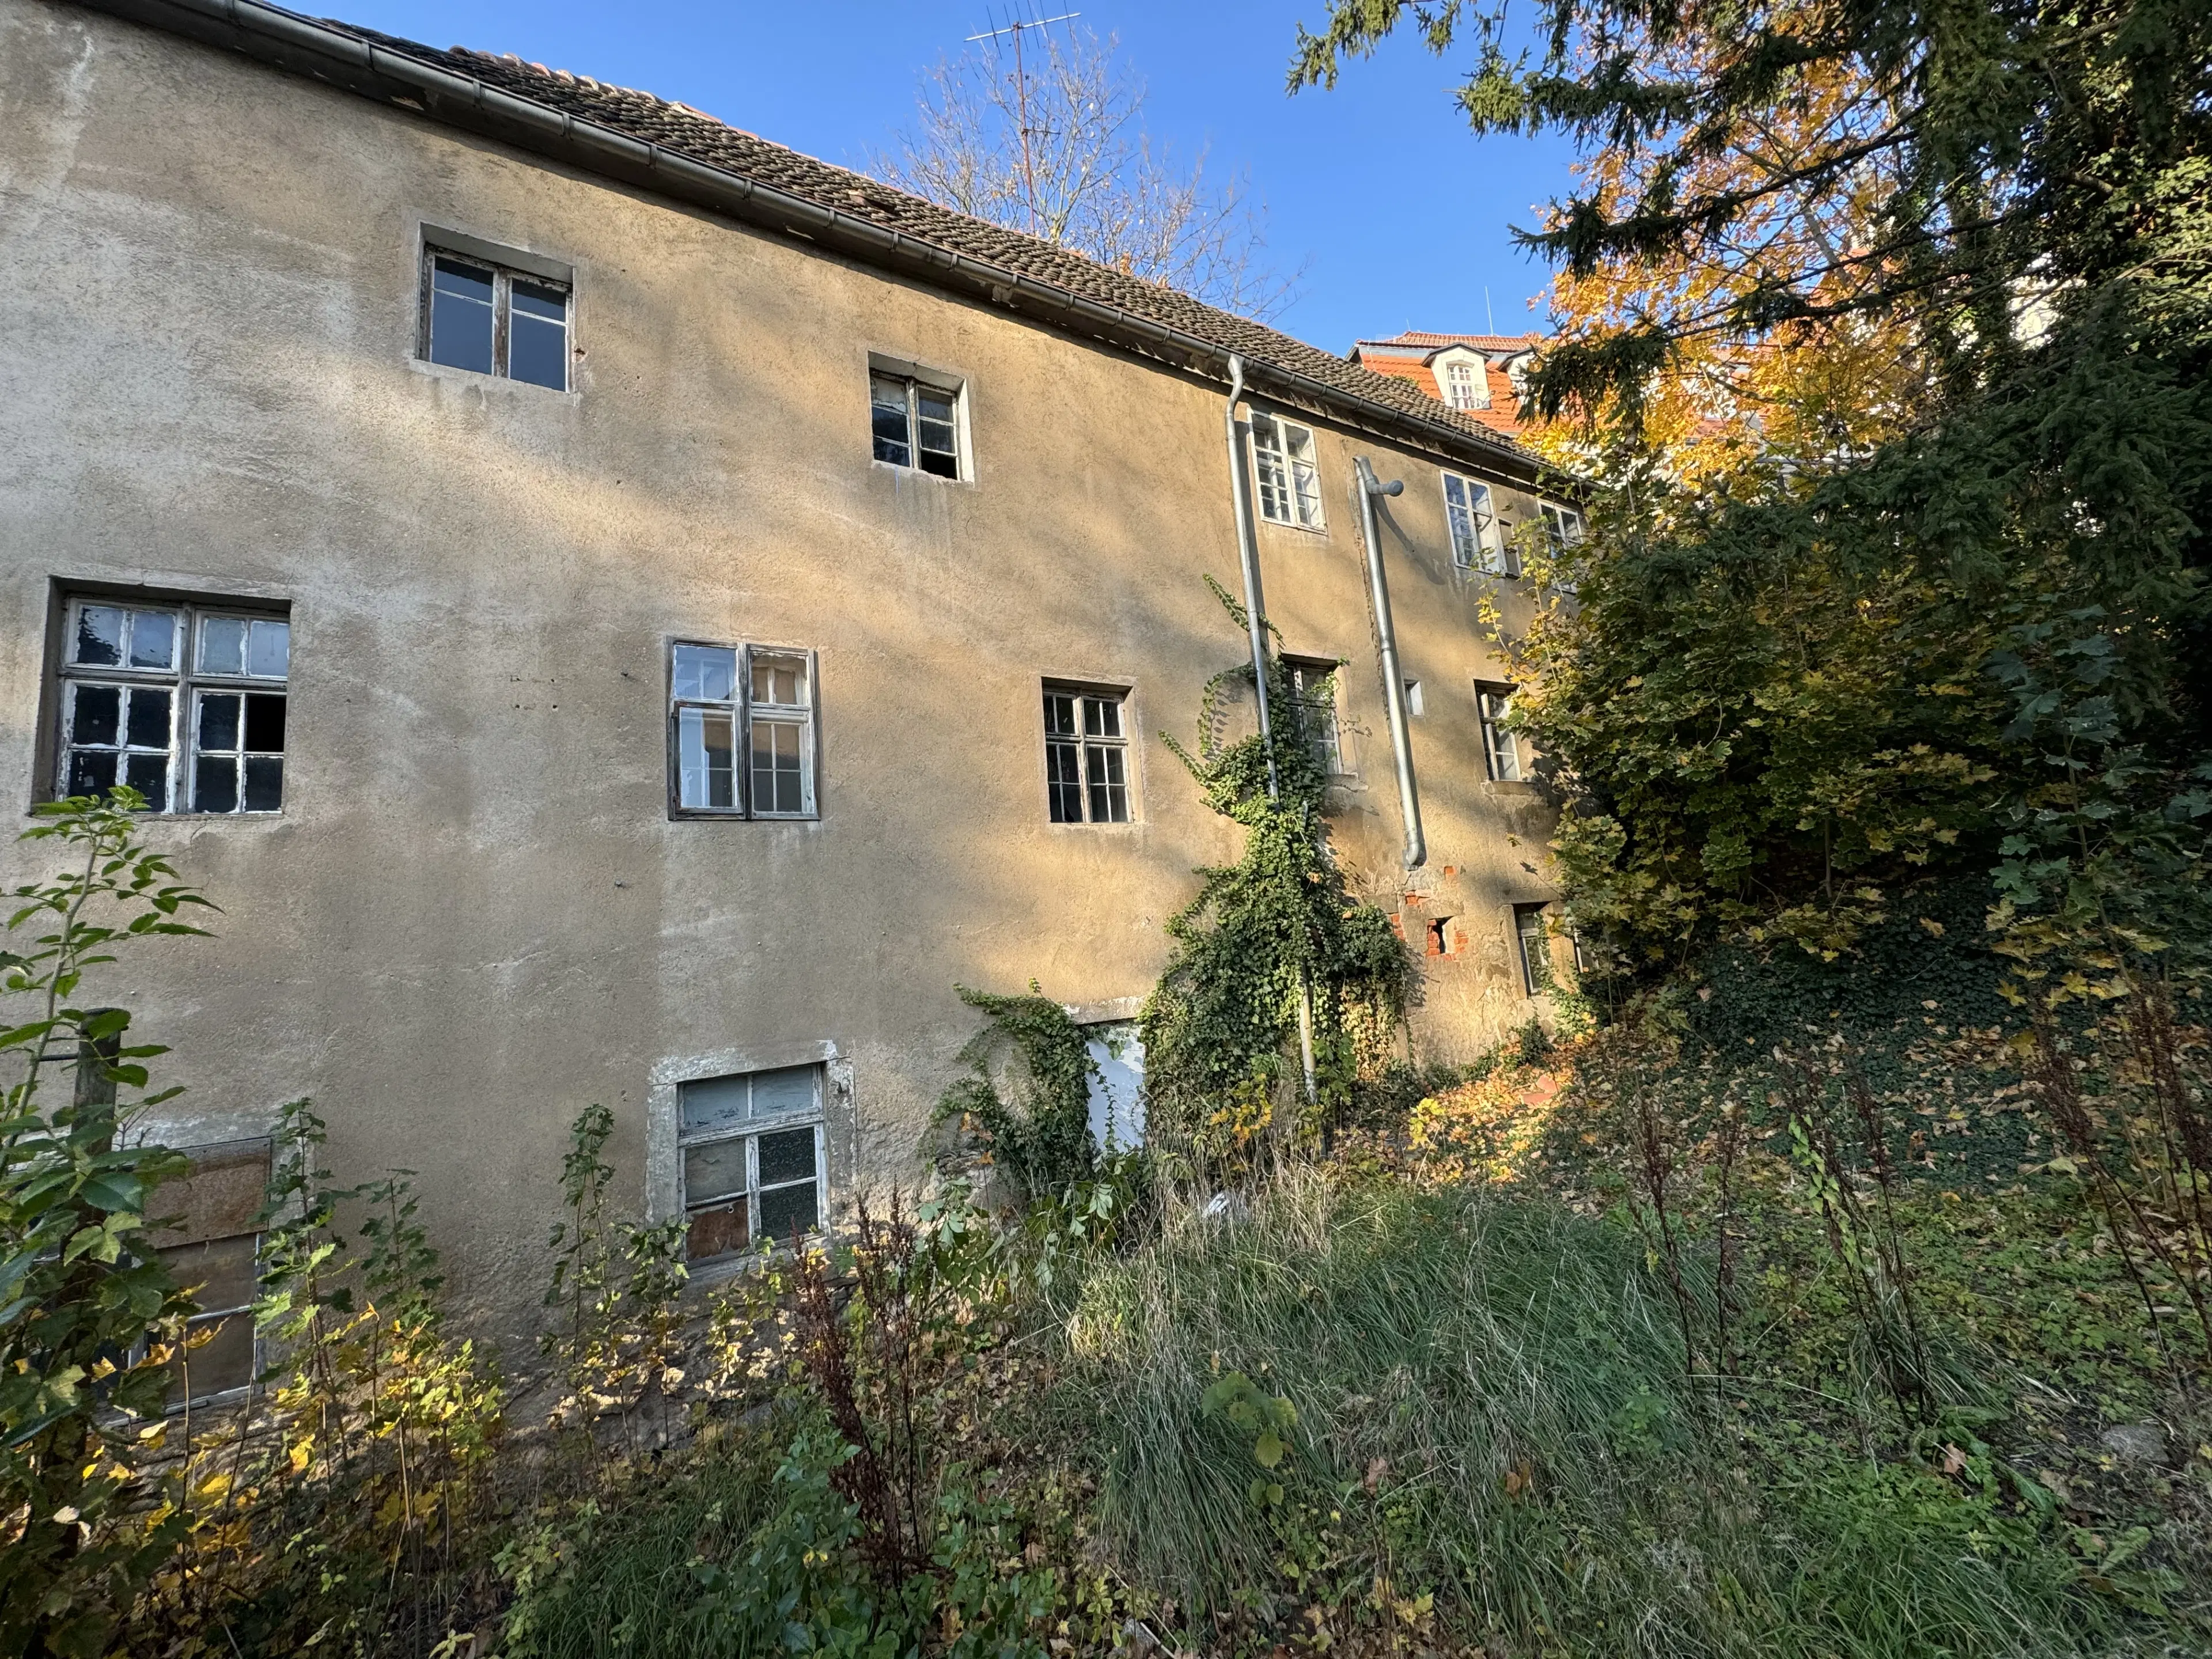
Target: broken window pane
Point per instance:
(99, 642)
(149, 726)
(537, 334)
(460, 315)
(149, 775)
(96, 713)
(264, 725)
(706, 673)
(91, 772)
(706, 759)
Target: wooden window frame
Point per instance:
(1296, 501)
(744, 714)
(1493, 705)
(1084, 743)
(749, 1130)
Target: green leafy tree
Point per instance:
(1778, 704)
(90, 1318)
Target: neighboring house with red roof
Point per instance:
(1478, 375)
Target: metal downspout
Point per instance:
(1394, 681)
(1248, 551)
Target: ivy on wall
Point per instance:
(1277, 925)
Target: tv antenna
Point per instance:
(1022, 97)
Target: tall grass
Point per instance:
(1493, 1409)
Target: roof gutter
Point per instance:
(304, 46)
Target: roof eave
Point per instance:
(303, 46)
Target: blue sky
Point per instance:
(1399, 213)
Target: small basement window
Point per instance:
(752, 1155)
(741, 731)
(205, 1233)
(1535, 942)
(1290, 477)
(489, 319)
(1087, 756)
(1501, 745)
(914, 424)
(185, 703)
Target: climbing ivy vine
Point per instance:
(1041, 1139)
(1221, 1027)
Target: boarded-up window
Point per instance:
(208, 1238)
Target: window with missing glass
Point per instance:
(741, 731)
(184, 703)
(914, 424)
(1288, 474)
(482, 316)
(751, 1149)
(1470, 514)
(1313, 687)
(1501, 746)
(1087, 756)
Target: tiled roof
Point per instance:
(1504, 414)
(1418, 341)
(348, 55)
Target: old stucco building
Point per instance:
(618, 611)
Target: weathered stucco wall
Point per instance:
(474, 916)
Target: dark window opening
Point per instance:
(487, 319)
(1533, 935)
(914, 424)
(1086, 757)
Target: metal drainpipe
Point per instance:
(1248, 550)
(1393, 681)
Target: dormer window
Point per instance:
(1464, 377)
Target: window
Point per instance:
(1290, 478)
(1313, 683)
(1086, 757)
(1413, 699)
(1467, 384)
(1535, 948)
(183, 702)
(1117, 1086)
(1563, 526)
(205, 1233)
(915, 424)
(1471, 515)
(1440, 937)
(741, 728)
(751, 1149)
(482, 316)
(1501, 747)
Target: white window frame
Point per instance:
(1564, 526)
(187, 683)
(911, 384)
(1102, 750)
(750, 1129)
(745, 713)
(1286, 472)
(1329, 743)
(1478, 372)
(1501, 745)
(1471, 523)
(505, 272)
